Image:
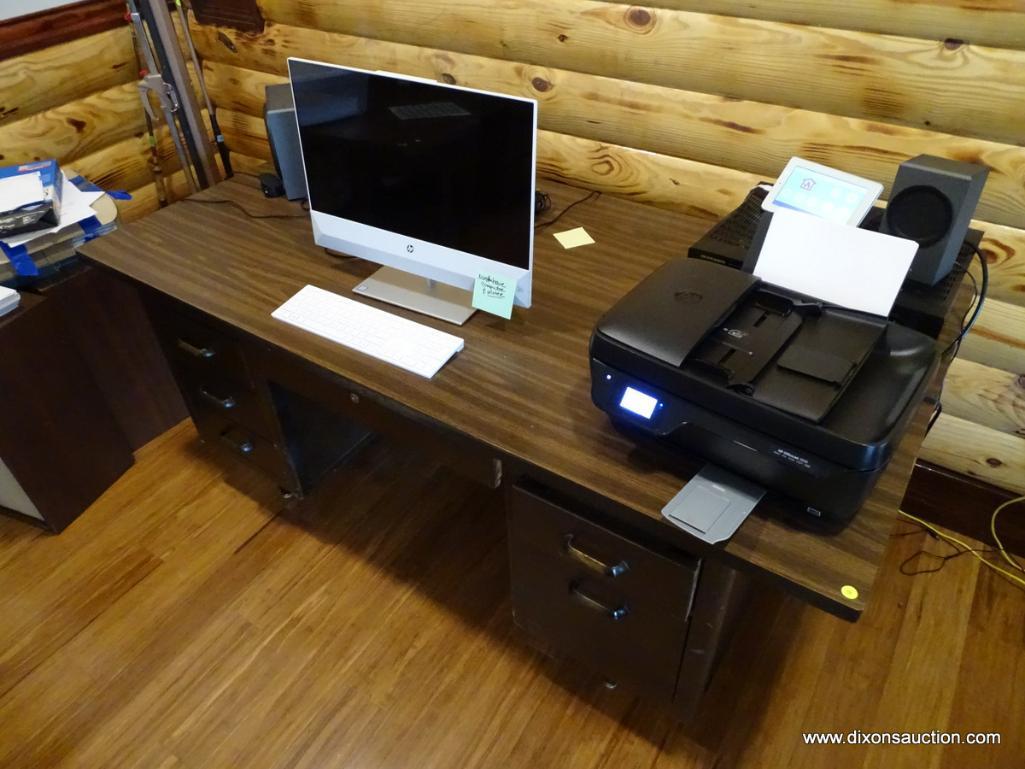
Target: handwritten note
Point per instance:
(494, 293)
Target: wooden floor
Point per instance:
(190, 619)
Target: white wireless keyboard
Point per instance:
(403, 343)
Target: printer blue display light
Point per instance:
(638, 403)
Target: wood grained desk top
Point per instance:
(520, 387)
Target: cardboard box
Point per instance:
(20, 214)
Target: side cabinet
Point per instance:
(622, 606)
(60, 443)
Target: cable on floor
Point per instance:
(950, 539)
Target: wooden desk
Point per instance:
(515, 403)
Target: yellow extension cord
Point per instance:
(950, 538)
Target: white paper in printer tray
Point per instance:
(838, 263)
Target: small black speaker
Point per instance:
(283, 134)
(932, 202)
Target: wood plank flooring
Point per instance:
(194, 619)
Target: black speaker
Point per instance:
(283, 134)
(932, 202)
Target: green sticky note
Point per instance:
(494, 293)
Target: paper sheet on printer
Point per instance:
(838, 263)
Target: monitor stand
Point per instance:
(439, 300)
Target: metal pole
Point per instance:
(152, 83)
(176, 74)
(222, 147)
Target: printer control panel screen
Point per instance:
(638, 403)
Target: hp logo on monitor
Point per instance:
(410, 249)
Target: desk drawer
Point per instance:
(597, 595)
(249, 447)
(648, 578)
(195, 346)
(218, 397)
(596, 621)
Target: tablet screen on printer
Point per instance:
(822, 191)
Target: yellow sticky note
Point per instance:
(574, 238)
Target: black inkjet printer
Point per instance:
(804, 398)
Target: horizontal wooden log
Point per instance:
(45, 79)
(755, 137)
(240, 14)
(999, 23)
(145, 200)
(126, 164)
(998, 339)
(253, 166)
(74, 129)
(77, 128)
(1005, 251)
(24, 34)
(245, 134)
(977, 451)
(121, 166)
(841, 72)
(696, 189)
(986, 396)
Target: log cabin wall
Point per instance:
(687, 104)
(68, 90)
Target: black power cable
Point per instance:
(235, 205)
(594, 195)
(981, 293)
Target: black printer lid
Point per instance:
(672, 310)
(650, 332)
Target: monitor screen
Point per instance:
(424, 160)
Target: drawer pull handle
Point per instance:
(222, 403)
(244, 446)
(595, 564)
(205, 353)
(617, 614)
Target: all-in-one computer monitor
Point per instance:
(435, 182)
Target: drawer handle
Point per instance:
(204, 353)
(595, 564)
(617, 614)
(222, 403)
(244, 446)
